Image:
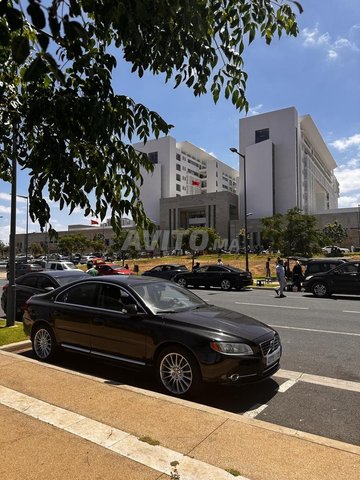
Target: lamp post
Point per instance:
(27, 225)
(235, 150)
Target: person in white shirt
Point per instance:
(280, 275)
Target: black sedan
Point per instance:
(344, 279)
(223, 276)
(166, 271)
(151, 323)
(38, 282)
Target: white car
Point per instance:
(58, 265)
(335, 248)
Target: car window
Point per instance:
(113, 297)
(215, 268)
(30, 281)
(157, 269)
(160, 297)
(348, 268)
(45, 282)
(85, 294)
(202, 269)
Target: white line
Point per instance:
(156, 457)
(255, 412)
(275, 306)
(318, 380)
(317, 331)
(286, 385)
(350, 311)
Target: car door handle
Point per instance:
(98, 321)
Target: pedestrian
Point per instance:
(267, 268)
(280, 275)
(297, 275)
(92, 271)
(126, 266)
(219, 262)
(196, 267)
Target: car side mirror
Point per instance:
(131, 309)
(49, 289)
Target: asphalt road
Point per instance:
(318, 387)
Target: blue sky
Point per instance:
(318, 73)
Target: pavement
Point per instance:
(59, 424)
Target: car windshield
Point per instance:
(161, 297)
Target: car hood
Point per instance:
(221, 321)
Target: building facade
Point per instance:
(181, 169)
(287, 164)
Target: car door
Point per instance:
(215, 274)
(116, 334)
(346, 279)
(72, 313)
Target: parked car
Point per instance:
(112, 269)
(335, 250)
(60, 265)
(145, 323)
(22, 268)
(38, 282)
(167, 271)
(223, 276)
(344, 278)
(318, 265)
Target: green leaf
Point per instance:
(20, 49)
(37, 15)
(35, 70)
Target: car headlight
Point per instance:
(232, 348)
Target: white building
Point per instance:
(287, 165)
(180, 169)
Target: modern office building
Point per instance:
(181, 169)
(287, 165)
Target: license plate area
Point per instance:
(273, 357)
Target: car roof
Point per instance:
(55, 273)
(124, 280)
(328, 259)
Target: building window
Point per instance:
(262, 135)
(178, 177)
(153, 157)
(178, 187)
(178, 167)
(178, 157)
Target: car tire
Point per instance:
(320, 289)
(178, 372)
(225, 284)
(182, 282)
(44, 344)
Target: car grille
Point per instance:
(270, 345)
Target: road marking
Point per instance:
(319, 380)
(316, 330)
(286, 385)
(350, 311)
(156, 457)
(255, 412)
(275, 306)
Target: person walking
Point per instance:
(297, 275)
(219, 262)
(280, 275)
(91, 269)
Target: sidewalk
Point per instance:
(59, 425)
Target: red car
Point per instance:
(112, 269)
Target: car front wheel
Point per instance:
(225, 284)
(182, 282)
(178, 372)
(44, 344)
(320, 289)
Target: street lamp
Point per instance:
(27, 224)
(235, 150)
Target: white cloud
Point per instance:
(347, 142)
(313, 38)
(349, 179)
(255, 110)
